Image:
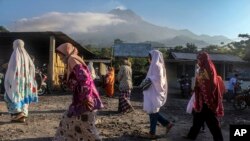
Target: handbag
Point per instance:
(145, 84)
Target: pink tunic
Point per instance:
(85, 96)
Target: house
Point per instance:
(133, 50)
(42, 46)
(226, 65)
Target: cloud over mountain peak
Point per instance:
(102, 28)
(67, 22)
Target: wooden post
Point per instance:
(51, 61)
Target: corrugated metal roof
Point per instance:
(132, 50)
(214, 57)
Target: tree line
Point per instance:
(240, 48)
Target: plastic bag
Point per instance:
(190, 104)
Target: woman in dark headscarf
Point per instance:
(208, 106)
(78, 122)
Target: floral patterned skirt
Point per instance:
(77, 128)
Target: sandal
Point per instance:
(169, 126)
(21, 120)
(18, 118)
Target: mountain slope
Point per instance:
(135, 29)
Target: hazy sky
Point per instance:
(212, 17)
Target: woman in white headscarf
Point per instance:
(20, 84)
(156, 95)
(92, 70)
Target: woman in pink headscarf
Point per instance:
(78, 122)
(208, 106)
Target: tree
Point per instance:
(165, 53)
(118, 41)
(191, 48)
(178, 49)
(244, 36)
(106, 52)
(3, 29)
(211, 49)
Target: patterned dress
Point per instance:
(125, 86)
(78, 123)
(20, 83)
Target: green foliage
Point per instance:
(190, 48)
(139, 64)
(211, 49)
(241, 48)
(244, 36)
(103, 52)
(118, 41)
(178, 49)
(3, 29)
(106, 52)
(165, 53)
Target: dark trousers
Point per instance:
(206, 115)
(154, 118)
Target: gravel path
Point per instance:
(44, 118)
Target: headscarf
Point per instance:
(126, 62)
(124, 76)
(209, 87)
(156, 95)
(20, 83)
(86, 97)
(92, 70)
(71, 58)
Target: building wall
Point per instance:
(59, 70)
(173, 70)
(172, 75)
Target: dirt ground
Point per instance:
(44, 118)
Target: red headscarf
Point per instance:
(209, 87)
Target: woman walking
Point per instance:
(20, 84)
(208, 106)
(156, 95)
(124, 77)
(78, 122)
(110, 81)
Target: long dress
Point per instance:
(20, 84)
(110, 81)
(78, 122)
